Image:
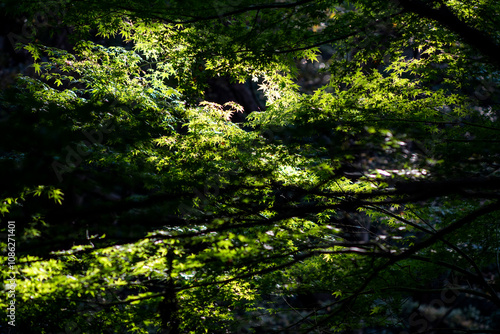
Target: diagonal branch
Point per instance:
(476, 38)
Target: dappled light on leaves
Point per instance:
(361, 194)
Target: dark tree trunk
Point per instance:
(221, 90)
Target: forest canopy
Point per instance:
(358, 192)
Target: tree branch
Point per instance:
(476, 38)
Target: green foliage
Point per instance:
(142, 208)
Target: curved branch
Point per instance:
(476, 38)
